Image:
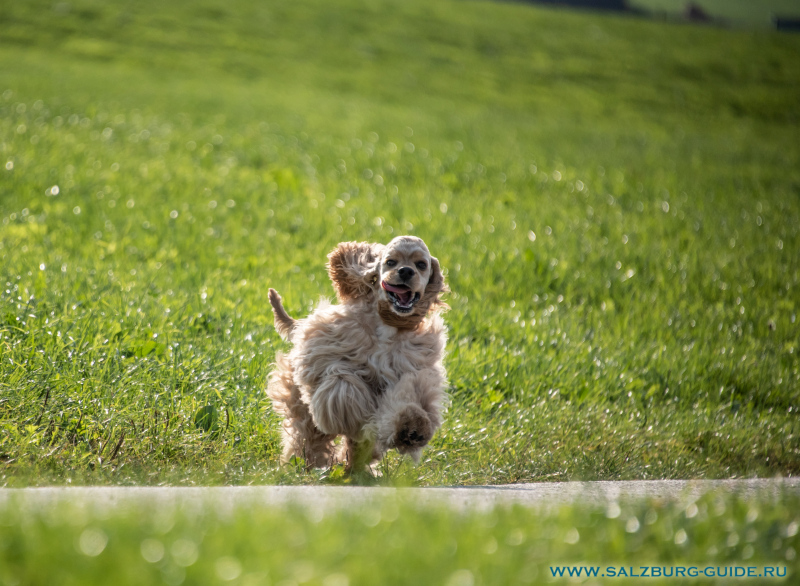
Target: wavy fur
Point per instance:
(353, 373)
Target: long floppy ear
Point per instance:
(354, 269)
(431, 298)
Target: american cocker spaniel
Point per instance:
(370, 368)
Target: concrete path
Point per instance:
(460, 498)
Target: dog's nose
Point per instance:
(406, 273)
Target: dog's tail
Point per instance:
(283, 321)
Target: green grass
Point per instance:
(192, 543)
(757, 13)
(615, 202)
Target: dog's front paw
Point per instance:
(413, 430)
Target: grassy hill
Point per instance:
(615, 202)
(732, 12)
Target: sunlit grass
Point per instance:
(392, 541)
(615, 203)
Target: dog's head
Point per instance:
(403, 275)
(406, 270)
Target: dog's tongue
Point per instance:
(403, 295)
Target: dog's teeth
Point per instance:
(399, 304)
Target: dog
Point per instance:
(370, 368)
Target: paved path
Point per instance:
(461, 498)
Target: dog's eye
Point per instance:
(421, 265)
(391, 263)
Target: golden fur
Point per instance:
(369, 369)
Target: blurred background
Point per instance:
(779, 14)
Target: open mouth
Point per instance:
(401, 296)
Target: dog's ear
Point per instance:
(354, 269)
(431, 298)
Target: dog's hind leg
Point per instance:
(283, 321)
(360, 454)
(301, 437)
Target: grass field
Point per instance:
(742, 13)
(615, 202)
(391, 542)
